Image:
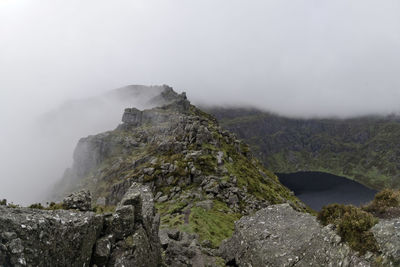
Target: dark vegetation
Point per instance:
(359, 148)
(386, 204)
(352, 224)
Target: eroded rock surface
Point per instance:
(387, 234)
(281, 236)
(31, 237)
(128, 237)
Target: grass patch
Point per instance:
(214, 225)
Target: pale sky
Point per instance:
(303, 57)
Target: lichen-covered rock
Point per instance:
(387, 234)
(31, 237)
(281, 236)
(80, 200)
(129, 237)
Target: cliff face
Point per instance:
(364, 149)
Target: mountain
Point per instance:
(203, 178)
(365, 149)
(170, 187)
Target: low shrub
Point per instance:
(383, 202)
(36, 206)
(352, 224)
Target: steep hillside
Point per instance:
(365, 149)
(203, 178)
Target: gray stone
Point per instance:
(162, 199)
(129, 237)
(281, 236)
(80, 200)
(148, 171)
(102, 251)
(48, 238)
(220, 155)
(101, 201)
(387, 234)
(174, 234)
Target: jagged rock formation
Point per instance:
(281, 236)
(363, 149)
(129, 237)
(202, 177)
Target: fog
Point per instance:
(297, 58)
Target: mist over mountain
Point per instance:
(39, 148)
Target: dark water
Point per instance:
(318, 189)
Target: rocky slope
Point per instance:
(364, 149)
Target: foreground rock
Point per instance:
(129, 237)
(80, 201)
(183, 249)
(32, 237)
(281, 236)
(387, 234)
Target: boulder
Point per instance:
(79, 200)
(387, 234)
(32, 237)
(133, 230)
(129, 237)
(280, 236)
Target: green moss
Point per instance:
(220, 262)
(36, 206)
(55, 206)
(99, 209)
(3, 202)
(129, 242)
(353, 225)
(206, 163)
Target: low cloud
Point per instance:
(302, 58)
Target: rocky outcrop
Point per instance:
(281, 236)
(128, 237)
(31, 237)
(387, 234)
(79, 200)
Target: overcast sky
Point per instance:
(303, 57)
